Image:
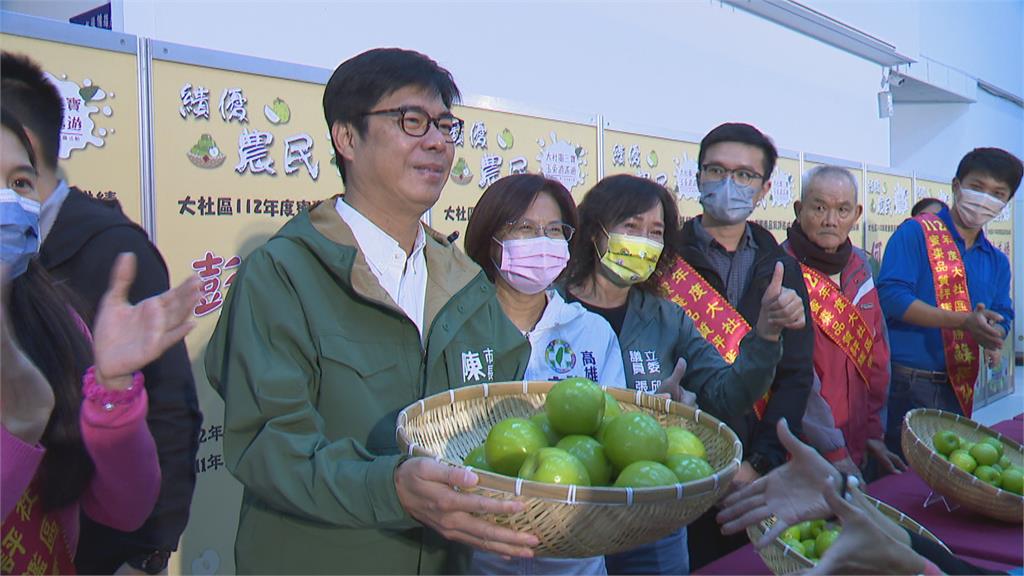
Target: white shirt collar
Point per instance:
(403, 277)
(377, 246)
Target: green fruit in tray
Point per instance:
(645, 474)
(591, 453)
(554, 466)
(682, 441)
(476, 458)
(1013, 480)
(632, 437)
(945, 441)
(541, 419)
(689, 468)
(509, 443)
(575, 406)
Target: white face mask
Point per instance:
(977, 208)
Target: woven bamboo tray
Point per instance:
(571, 521)
(943, 477)
(782, 559)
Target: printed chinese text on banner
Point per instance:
(716, 320)
(837, 317)
(950, 279)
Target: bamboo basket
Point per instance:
(570, 521)
(782, 559)
(943, 477)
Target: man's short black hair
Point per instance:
(35, 102)
(361, 81)
(994, 162)
(744, 134)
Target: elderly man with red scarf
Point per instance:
(851, 349)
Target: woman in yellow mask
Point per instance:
(617, 255)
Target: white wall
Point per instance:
(934, 137)
(684, 66)
(984, 38)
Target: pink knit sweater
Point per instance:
(127, 479)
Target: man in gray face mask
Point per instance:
(737, 259)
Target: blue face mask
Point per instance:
(727, 201)
(19, 231)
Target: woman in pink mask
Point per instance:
(519, 234)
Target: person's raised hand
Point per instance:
(128, 337)
(781, 308)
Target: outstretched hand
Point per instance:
(792, 492)
(865, 546)
(128, 337)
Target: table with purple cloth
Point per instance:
(975, 538)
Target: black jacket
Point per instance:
(86, 237)
(794, 375)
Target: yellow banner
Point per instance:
(99, 149)
(235, 156)
(775, 211)
(669, 162)
(495, 144)
(888, 201)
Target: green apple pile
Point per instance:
(811, 538)
(583, 437)
(984, 459)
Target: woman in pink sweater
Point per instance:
(74, 432)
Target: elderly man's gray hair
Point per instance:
(825, 171)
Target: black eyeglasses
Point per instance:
(416, 121)
(714, 173)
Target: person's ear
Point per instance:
(344, 136)
(765, 189)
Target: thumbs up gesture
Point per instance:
(781, 308)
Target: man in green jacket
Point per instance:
(351, 312)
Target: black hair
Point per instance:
(925, 203)
(744, 134)
(994, 162)
(505, 201)
(43, 323)
(610, 202)
(361, 81)
(35, 101)
(45, 327)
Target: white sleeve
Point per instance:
(612, 372)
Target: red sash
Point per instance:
(837, 317)
(32, 541)
(950, 278)
(716, 320)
